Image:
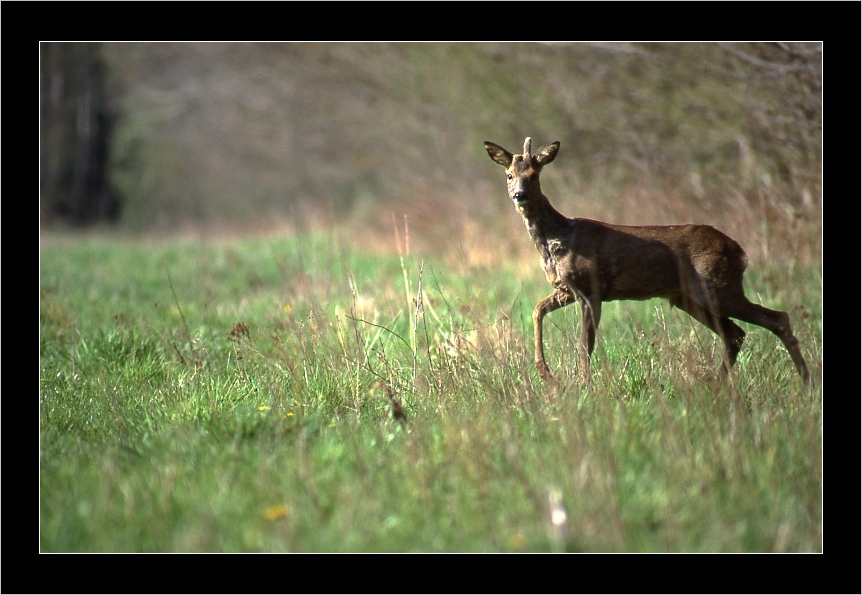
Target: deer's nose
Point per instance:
(519, 196)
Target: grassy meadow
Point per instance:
(321, 392)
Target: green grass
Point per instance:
(234, 397)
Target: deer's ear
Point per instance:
(547, 153)
(498, 154)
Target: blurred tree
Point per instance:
(263, 132)
(75, 124)
(783, 105)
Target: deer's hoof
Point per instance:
(545, 373)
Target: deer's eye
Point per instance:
(509, 176)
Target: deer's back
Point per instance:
(640, 262)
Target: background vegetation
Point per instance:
(309, 240)
(261, 134)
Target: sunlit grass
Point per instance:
(240, 397)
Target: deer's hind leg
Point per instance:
(731, 334)
(555, 301)
(776, 321)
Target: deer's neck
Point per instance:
(543, 221)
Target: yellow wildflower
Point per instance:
(279, 511)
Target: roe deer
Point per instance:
(697, 268)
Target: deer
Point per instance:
(697, 268)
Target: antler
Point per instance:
(527, 142)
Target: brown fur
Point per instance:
(695, 267)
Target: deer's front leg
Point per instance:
(591, 314)
(555, 301)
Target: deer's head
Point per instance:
(522, 171)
